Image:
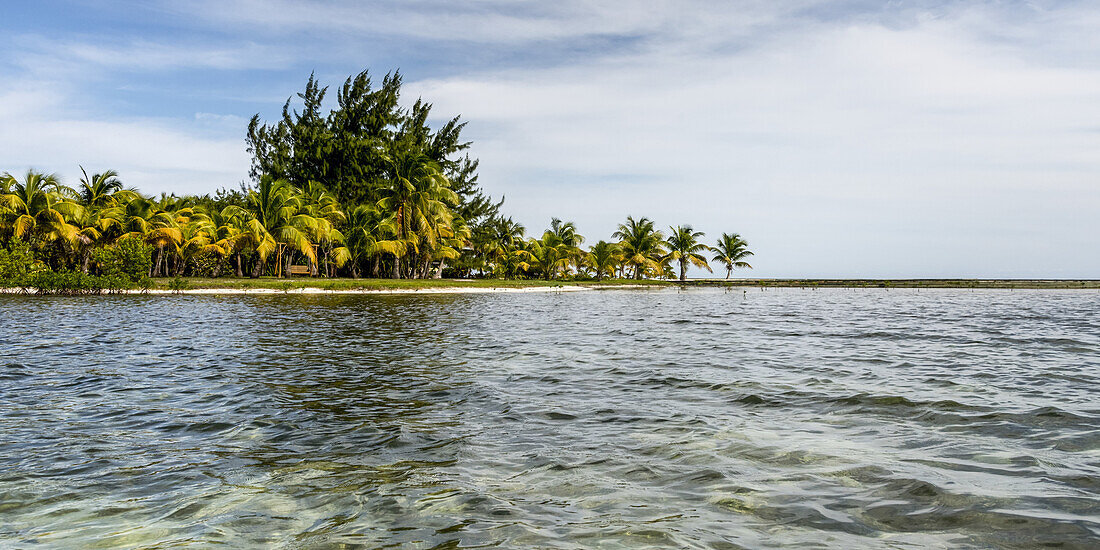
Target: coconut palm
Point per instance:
(452, 240)
(226, 228)
(35, 209)
(323, 206)
(369, 235)
(684, 247)
(548, 254)
(497, 239)
(566, 232)
(418, 197)
(732, 251)
(98, 190)
(93, 225)
(603, 257)
(274, 223)
(641, 245)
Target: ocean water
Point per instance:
(702, 418)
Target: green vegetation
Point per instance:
(732, 251)
(366, 189)
(348, 284)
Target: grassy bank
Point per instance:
(414, 284)
(384, 284)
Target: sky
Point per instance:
(841, 138)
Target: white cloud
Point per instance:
(53, 59)
(155, 155)
(908, 139)
(487, 21)
(838, 150)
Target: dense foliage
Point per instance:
(366, 189)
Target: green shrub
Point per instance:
(129, 259)
(210, 264)
(75, 282)
(178, 284)
(18, 265)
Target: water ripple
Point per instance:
(832, 418)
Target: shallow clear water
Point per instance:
(608, 419)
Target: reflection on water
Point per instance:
(610, 419)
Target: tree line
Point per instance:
(368, 189)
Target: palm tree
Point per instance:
(144, 219)
(641, 245)
(92, 225)
(732, 251)
(603, 257)
(369, 234)
(274, 223)
(324, 207)
(501, 237)
(418, 197)
(98, 190)
(452, 240)
(548, 254)
(35, 209)
(226, 228)
(685, 248)
(566, 232)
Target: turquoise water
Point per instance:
(704, 418)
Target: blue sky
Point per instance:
(842, 138)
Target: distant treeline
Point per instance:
(367, 189)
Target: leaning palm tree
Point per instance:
(732, 251)
(641, 245)
(684, 247)
(603, 257)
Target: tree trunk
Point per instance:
(156, 265)
(729, 271)
(396, 267)
(257, 266)
(439, 270)
(288, 261)
(683, 270)
(376, 267)
(240, 271)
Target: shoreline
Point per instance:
(1060, 284)
(490, 286)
